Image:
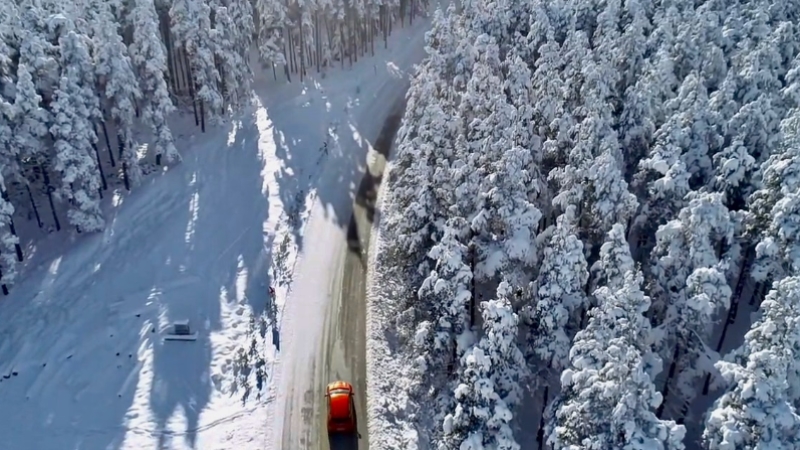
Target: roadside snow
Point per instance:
(392, 374)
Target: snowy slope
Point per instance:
(84, 342)
(82, 361)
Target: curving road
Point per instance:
(343, 349)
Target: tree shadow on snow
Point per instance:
(318, 140)
(189, 246)
(225, 252)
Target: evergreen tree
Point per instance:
(607, 393)
(150, 62)
(758, 411)
(117, 81)
(74, 106)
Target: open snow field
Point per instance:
(82, 361)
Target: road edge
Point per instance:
(374, 351)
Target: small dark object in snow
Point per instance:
(180, 332)
(152, 330)
(138, 315)
(69, 357)
(14, 373)
(44, 364)
(130, 355)
(117, 353)
(272, 291)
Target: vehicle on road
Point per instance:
(341, 407)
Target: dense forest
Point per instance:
(585, 197)
(87, 88)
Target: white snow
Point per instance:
(82, 362)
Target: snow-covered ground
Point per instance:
(82, 361)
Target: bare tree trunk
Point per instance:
(344, 43)
(354, 37)
(186, 71)
(372, 36)
(317, 36)
(302, 49)
(540, 432)
(108, 143)
(172, 69)
(191, 89)
(100, 169)
(202, 117)
(673, 368)
(385, 26)
(50, 189)
(286, 56)
(33, 205)
(222, 85)
(292, 62)
(125, 178)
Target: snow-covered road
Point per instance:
(330, 274)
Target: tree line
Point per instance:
(621, 176)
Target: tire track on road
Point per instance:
(344, 334)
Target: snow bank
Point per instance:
(390, 413)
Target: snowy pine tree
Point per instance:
(489, 383)
(615, 260)
(446, 290)
(560, 292)
(690, 286)
(31, 122)
(191, 25)
(272, 20)
(500, 343)
(758, 410)
(241, 16)
(9, 155)
(234, 71)
(150, 63)
(74, 107)
(607, 395)
(775, 208)
(118, 83)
